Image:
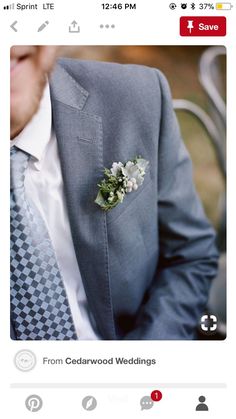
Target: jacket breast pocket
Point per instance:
(130, 200)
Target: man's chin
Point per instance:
(15, 129)
(23, 108)
(18, 121)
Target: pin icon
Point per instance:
(190, 26)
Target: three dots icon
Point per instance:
(107, 26)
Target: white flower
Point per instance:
(116, 167)
(142, 164)
(133, 173)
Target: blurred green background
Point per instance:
(180, 64)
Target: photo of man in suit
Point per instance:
(141, 271)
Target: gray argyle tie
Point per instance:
(39, 305)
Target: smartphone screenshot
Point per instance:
(117, 210)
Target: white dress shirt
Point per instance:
(44, 186)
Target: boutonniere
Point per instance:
(120, 180)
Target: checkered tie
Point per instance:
(39, 305)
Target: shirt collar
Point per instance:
(36, 135)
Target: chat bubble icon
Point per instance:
(146, 403)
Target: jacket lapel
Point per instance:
(80, 143)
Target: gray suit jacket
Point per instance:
(148, 263)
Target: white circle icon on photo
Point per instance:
(25, 360)
(34, 403)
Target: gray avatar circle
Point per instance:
(25, 360)
(89, 403)
(34, 403)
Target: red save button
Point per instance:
(202, 26)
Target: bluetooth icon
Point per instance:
(193, 6)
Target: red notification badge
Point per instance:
(156, 395)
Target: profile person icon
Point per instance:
(201, 407)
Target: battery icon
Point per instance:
(224, 6)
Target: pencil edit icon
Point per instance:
(43, 26)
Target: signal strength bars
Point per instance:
(9, 7)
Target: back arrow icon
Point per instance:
(13, 26)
